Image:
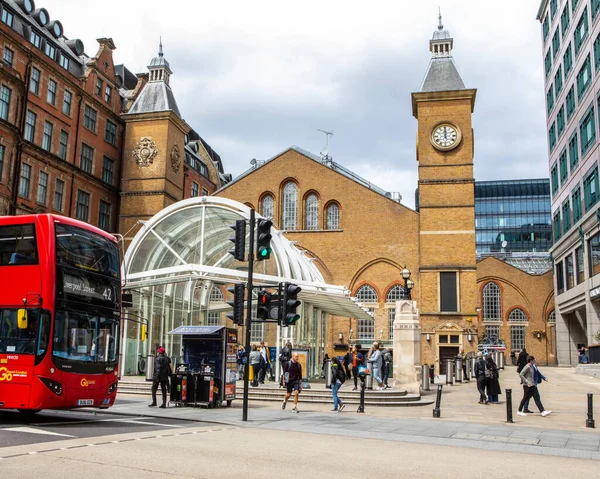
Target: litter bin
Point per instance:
(501, 360)
(425, 377)
(458, 371)
(328, 373)
(472, 363)
(450, 371)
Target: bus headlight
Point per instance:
(53, 385)
(112, 388)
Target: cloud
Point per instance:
(254, 78)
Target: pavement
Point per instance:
(463, 422)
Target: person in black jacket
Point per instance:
(522, 360)
(338, 376)
(480, 375)
(162, 370)
(493, 383)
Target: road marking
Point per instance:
(134, 421)
(31, 430)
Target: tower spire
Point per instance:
(160, 51)
(440, 25)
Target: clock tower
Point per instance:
(448, 301)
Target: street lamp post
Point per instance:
(409, 284)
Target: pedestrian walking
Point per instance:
(265, 362)
(254, 359)
(538, 377)
(348, 364)
(162, 370)
(493, 383)
(338, 376)
(465, 357)
(357, 360)
(292, 380)
(522, 360)
(324, 364)
(530, 388)
(386, 356)
(480, 368)
(376, 361)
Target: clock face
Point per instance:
(445, 136)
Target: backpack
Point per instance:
(387, 357)
(340, 375)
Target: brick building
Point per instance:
(322, 206)
(67, 120)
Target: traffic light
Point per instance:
(237, 315)
(263, 239)
(263, 310)
(290, 303)
(239, 240)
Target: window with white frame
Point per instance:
(289, 210)
(366, 329)
(267, 206)
(333, 217)
(517, 315)
(552, 317)
(492, 305)
(216, 295)
(42, 189)
(366, 294)
(391, 318)
(517, 337)
(312, 212)
(257, 331)
(492, 332)
(59, 189)
(213, 318)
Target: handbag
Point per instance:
(363, 370)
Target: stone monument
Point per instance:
(407, 346)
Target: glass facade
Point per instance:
(514, 211)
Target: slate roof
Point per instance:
(442, 75)
(155, 96)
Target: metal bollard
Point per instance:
(361, 406)
(425, 377)
(438, 400)
(458, 370)
(590, 413)
(509, 416)
(449, 371)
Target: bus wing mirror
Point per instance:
(22, 318)
(144, 332)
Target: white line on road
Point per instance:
(31, 430)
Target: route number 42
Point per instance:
(107, 294)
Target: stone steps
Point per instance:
(316, 394)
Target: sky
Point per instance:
(254, 78)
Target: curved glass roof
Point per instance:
(189, 240)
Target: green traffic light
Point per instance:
(264, 252)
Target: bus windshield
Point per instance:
(85, 250)
(33, 340)
(84, 337)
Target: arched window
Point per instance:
(552, 317)
(216, 295)
(394, 294)
(333, 217)
(517, 315)
(492, 304)
(312, 212)
(366, 294)
(289, 210)
(266, 206)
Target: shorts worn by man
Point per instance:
(292, 381)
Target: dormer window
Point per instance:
(35, 38)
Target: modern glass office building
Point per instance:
(512, 216)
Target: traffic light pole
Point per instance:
(248, 317)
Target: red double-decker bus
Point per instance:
(60, 305)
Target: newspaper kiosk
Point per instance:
(207, 374)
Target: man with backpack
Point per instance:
(292, 380)
(338, 376)
(284, 357)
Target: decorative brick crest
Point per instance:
(175, 158)
(145, 152)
